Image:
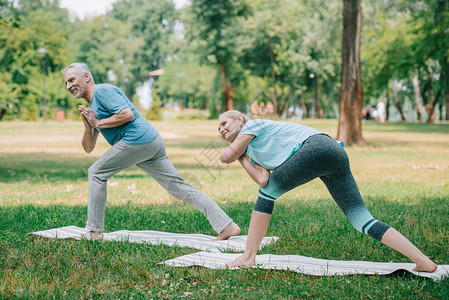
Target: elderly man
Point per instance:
(134, 142)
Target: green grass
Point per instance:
(403, 175)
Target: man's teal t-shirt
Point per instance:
(108, 100)
(274, 142)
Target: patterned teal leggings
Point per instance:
(320, 156)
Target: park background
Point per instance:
(287, 53)
(211, 56)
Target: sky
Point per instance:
(90, 8)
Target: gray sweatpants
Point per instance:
(151, 158)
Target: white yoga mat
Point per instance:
(197, 241)
(303, 264)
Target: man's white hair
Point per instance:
(81, 67)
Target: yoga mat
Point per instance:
(197, 241)
(303, 264)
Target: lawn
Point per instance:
(403, 176)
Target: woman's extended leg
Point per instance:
(348, 198)
(344, 190)
(400, 243)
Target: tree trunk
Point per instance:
(397, 103)
(401, 112)
(446, 93)
(387, 105)
(430, 99)
(304, 110)
(318, 112)
(430, 106)
(286, 98)
(231, 92)
(351, 93)
(2, 113)
(273, 80)
(445, 80)
(430, 109)
(418, 101)
(228, 90)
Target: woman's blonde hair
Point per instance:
(234, 114)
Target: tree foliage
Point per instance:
(407, 39)
(38, 24)
(218, 25)
(228, 53)
(149, 26)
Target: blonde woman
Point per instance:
(296, 154)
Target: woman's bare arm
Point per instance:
(258, 173)
(236, 148)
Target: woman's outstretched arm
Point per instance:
(258, 173)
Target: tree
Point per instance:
(321, 30)
(291, 46)
(405, 42)
(187, 81)
(152, 24)
(106, 46)
(216, 24)
(8, 93)
(266, 33)
(351, 95)
(431, 22)
(34, 25)
(269, 34)
(386, 52)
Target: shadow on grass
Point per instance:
(44, 167)
(18, 221)
(407, 127)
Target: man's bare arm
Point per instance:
(89, 137)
